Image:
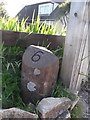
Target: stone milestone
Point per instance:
(39, 73)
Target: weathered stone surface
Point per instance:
(64, 116)
(39, 73)
(17, 113)
(52, 107)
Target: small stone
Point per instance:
(17, 113)
(52, 107)
(65, 115)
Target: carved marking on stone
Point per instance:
(36, 57)
(31, 86)
(36, 71)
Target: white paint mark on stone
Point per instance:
(36, 71)
(31, 86)
(45, 84)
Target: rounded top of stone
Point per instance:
(38, 57)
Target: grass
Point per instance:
(13, 24)
(58, 51)
(75, 113)
(11, 75)
(62, 91)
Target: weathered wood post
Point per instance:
(74, 66)
(39, 73)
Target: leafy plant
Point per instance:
(62, 91)
(59, 51)
(13, 24)
(10, 78)
(76, 112)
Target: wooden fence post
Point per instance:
(74, 66)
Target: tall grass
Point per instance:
(13, 24)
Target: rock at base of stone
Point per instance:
(52, 107)
(15, 113)
(64, 116)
